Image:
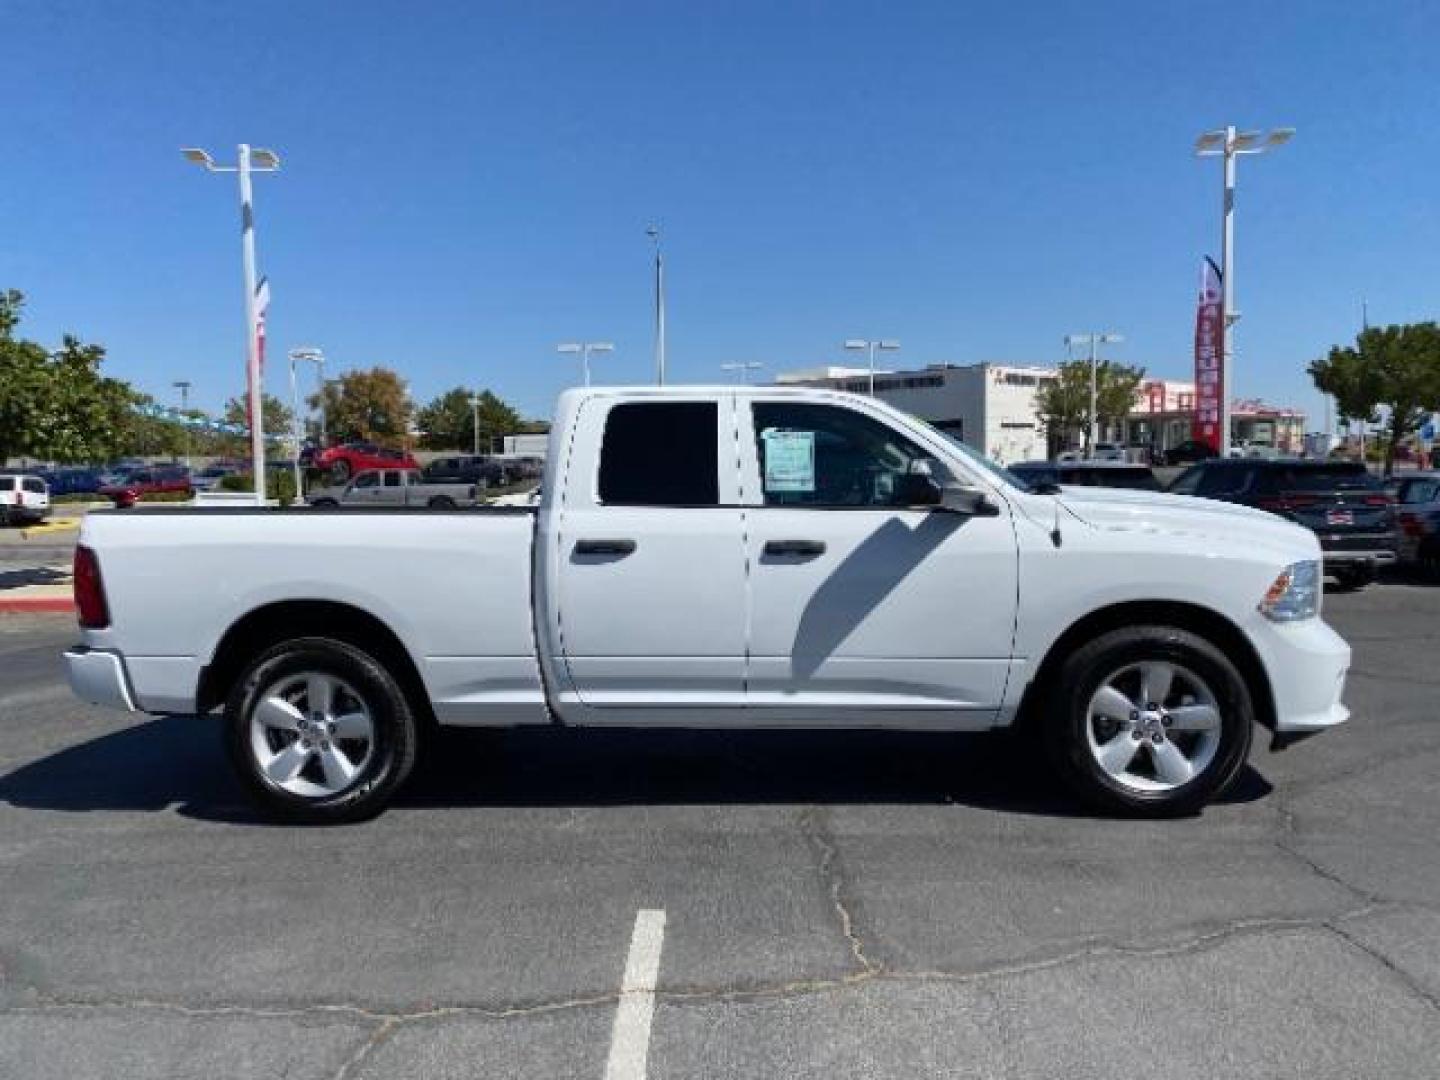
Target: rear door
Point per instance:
(865, 611)
(649, 562)
(364, 490)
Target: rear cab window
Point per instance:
(661, 453)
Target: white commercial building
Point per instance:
(990, 407)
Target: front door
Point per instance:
(650, 563)
(864, 611)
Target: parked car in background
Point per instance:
(159, 480)
(1188, 453)
(484, 472)
(395, 487)
(1116, 474)
(1108, 451)
(71, 480)
(24, 499)
(1340, 501)
(343, 462)
(208, 479)
(1417, 513)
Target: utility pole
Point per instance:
(1094, 341)
(654, 233)
(248, 160)
(183, 385)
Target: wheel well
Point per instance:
(1210, 625)
(274, 623)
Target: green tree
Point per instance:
(365, 405)
(279, 420)
(449, 422)
(1063, 403)
(56, 406)
(1393, 368)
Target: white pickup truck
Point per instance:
(741, 557)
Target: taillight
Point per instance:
(90, 591)
(1411, 525)
(1378, 500)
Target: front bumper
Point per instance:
(1307, 662)
(1379, 557)
(99, 678)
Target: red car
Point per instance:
(343, 462)
(162, 478)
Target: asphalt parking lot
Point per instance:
(834, 905)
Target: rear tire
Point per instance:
(442, 502)
(324, 504)
(319, 732)
(1124, 757)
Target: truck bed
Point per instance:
(453, 586)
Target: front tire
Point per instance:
(1149, 721)
(442, 502)
(318, 731)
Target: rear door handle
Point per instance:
(604, 547)
(806, 548)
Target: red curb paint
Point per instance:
(58, 604)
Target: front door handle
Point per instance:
(805, 548)
(604, 547)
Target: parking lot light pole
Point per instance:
(861, 345)
(183, 385)
(585, 349)
(1094, 341)
(743, 370)
(298, 356)
(475, 418)
(654, 233)
(248, 160)
(1228, 143)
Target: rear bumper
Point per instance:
(1307, 662)
(1378, 556)
(99, 678)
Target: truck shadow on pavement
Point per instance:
(177, 761)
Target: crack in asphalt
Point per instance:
(1403, 977)
(817, 834)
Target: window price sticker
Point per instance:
(789, 460)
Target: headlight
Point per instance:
(1295, 594)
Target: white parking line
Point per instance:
(630, 1040)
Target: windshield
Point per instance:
(976, 458)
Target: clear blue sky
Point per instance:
(467, 184)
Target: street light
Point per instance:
(183, 385)
(654, 233)
(744, 369)
(585, 349)
(301, 356)
(475, 416)
(885, 345)
(1226, 142)
(1094, 341)
(248, 160)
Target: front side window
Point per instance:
(36, 487)
(661, 453)
(394, 479)
(827, 455)
(367, 480)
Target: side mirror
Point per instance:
(971, 501)
(918, 489)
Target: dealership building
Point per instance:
(988, 406)
(992, 407)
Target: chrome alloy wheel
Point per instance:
(1153, 726)
(311, 734)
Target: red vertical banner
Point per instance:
(1209, 367)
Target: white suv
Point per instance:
(24, 499)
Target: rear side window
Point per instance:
(7, 483)
(1328, 478)
(1228, 480)
(394, 479)
(1421, 491)
(35, 486)
(661, 453)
